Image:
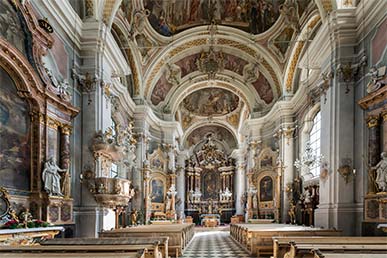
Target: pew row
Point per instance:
(179, 235)
(319, 254)
(304, 246)
(155, 247)
(257, 238)
(86, 251)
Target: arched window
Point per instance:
(315, 142)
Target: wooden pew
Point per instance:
(282, 244)
(319, 254)
(155, 247)
(86, 251)
(179, 235)
(257, 238)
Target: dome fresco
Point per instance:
(210, 102)
(253, 16)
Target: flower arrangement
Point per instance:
(35, 223)
(13, 224)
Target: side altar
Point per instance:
(375, 106)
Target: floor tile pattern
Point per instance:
(214, 244)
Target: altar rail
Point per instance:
(85, 251)
(257, 238)
(179, 235)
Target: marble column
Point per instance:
(373, 148)
(137, 179)
(287, 148)
(180, 186)
(240, 186)
(65, 158)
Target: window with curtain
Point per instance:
(315, 142)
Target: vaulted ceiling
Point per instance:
(213, 62)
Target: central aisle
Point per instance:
(214, 244)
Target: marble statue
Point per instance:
(255, 202)
(170, 200)
(307, 196)
(381, 172)
(51, 177)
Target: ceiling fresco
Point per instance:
(127, 8)
(265, 92)
(230, 62)
(161, 89)
(253, 16)
(193, 63)
(216, 132)
(210, 102)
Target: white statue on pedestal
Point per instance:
(381, 172)
(255, 202)
(51, 177)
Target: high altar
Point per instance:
(210, 184)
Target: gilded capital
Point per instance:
(372, 121)
(66, 129)
(384, 115)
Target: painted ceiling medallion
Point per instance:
(218, 134)
(210, 102)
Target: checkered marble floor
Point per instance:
(214, 244)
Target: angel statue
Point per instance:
(51, 177)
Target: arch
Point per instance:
(201, 124)
(132, 57)
(238, 42)
(295, 56)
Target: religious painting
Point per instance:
(266, 189)
(265, 92)
(253, 16)
(217, 132)
(10, 26)
(210, 185)
(234, 63)
(188, 64)
(14, 136)
(157, 191)
(160, 90)
(210, 102)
